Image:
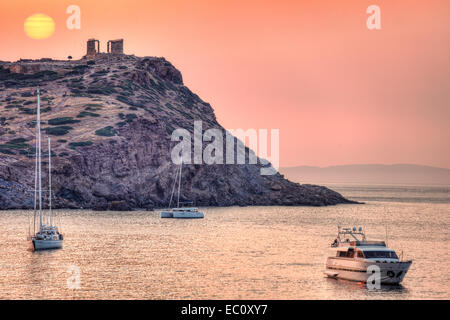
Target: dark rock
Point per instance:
(119, 206)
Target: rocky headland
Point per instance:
(110, 118)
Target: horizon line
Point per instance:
(366, 164)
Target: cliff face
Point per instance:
(111, 121)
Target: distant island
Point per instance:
(369, 174)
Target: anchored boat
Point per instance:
(355, 258)
(48, 236)
(181, 212)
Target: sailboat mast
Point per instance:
(35, 186)
(39, 157)
(50, 181)
(179, 183)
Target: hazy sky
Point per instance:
(339, 93)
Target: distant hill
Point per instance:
(369, 174)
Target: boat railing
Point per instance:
(186, 203)
(370, 243)
(359, 243)
(185, 209)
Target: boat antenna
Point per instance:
(386, 226)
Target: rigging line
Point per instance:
(173, 188)
(35, 184)
(59, 223)
(179, 184)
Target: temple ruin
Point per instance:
(115, 46)
(92, 49)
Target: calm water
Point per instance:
(234, 253)
(394, 193)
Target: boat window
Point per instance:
(380, 254)
(342, 254)
(350, 254)
(360, 254)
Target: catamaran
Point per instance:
(355, 258)
(180, 212)
(48, 236)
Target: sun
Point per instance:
(39, 26)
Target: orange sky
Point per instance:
(339, 93)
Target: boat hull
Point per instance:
(182, 214)
(166, 214)
(47, 244)
(357, 270)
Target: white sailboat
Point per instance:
(181, 212)
(48, 236)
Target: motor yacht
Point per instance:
(355, 258)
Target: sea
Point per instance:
(233, 253)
